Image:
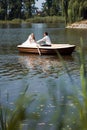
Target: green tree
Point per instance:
(29, 4)
(74, 10)
(55, 9)
(47, 6)
(3, 9)
(51, 7)
(15, 7)
(65, 9)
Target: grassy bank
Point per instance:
(47, 19)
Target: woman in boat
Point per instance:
(30, 41)
(45, 41)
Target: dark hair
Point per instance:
(46, 33)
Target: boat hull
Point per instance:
(63, 49)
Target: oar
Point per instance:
(38, 50)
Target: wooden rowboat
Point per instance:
(63, 49)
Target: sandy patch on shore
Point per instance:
(81, 24)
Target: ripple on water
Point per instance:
(13, 67)
(10, 68)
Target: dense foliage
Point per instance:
(77, 9)
(52, 7)
(10, 9)
(73, 10)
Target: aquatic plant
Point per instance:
(81, 103)
(14, 118)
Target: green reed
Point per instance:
(46, 19)
(82, 105)
(35, 19)
(12, 119)
(78, 97)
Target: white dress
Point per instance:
(29, 42)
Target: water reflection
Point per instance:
(22, 25)
(46, 65)
(11, 69)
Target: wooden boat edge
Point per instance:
(64, 50)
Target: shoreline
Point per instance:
(38, 19)
(78, 25)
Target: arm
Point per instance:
(41, 40)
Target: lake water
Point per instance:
(45, 75)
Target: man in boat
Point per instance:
(45, 41)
